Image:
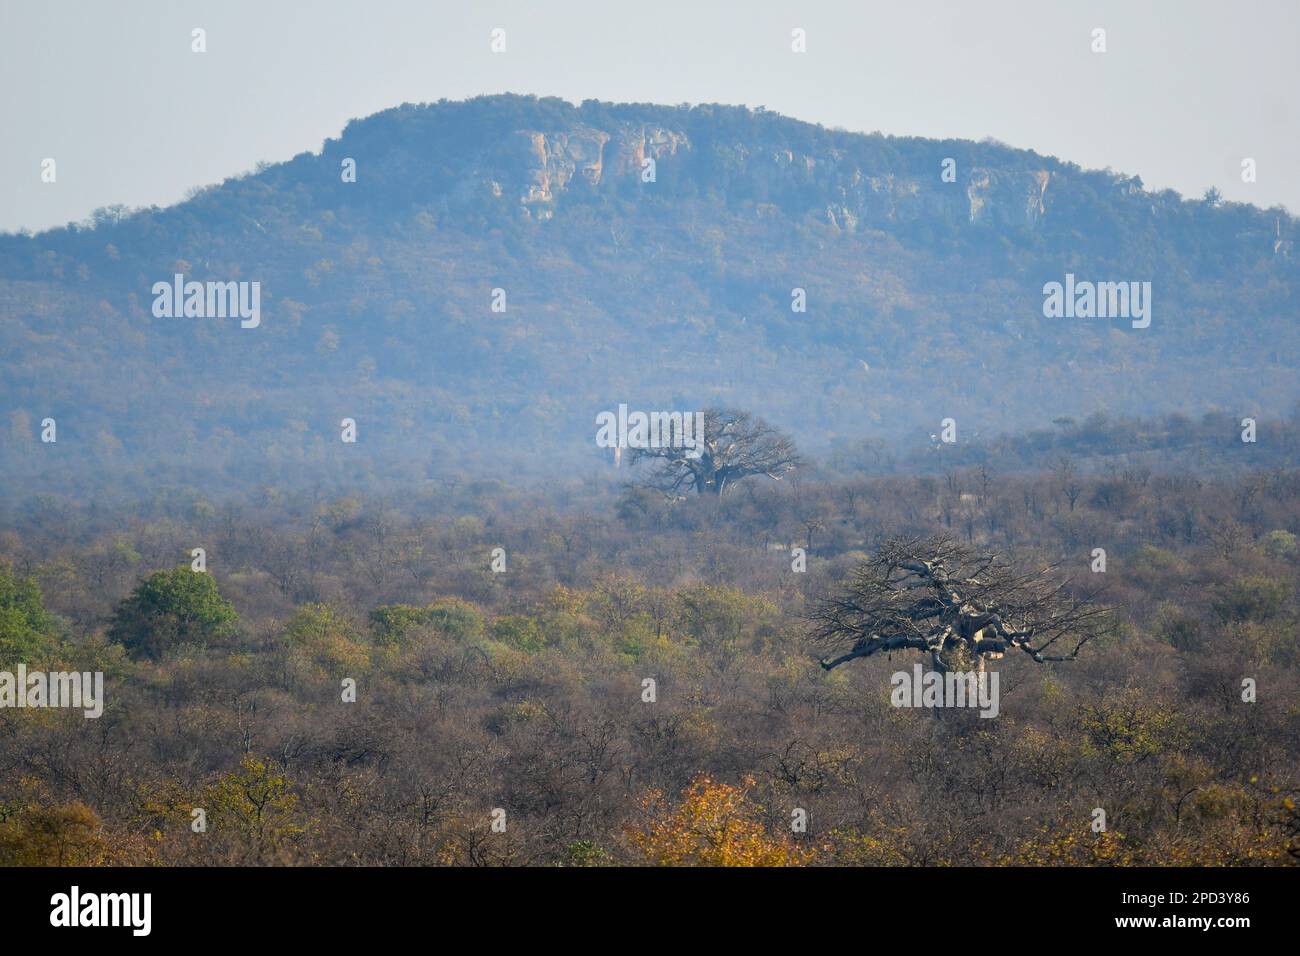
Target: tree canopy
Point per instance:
(735, 446)
(26, 629)
(169, 608)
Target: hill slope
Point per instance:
(924, 298)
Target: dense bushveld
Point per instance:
(523, 691)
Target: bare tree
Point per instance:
(736, 445)
(959, 606)
(1069, 481)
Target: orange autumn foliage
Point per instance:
(715, 824)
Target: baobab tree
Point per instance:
(957, 605)
(736, 445)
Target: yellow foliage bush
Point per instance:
(66, 834)
(715, 824)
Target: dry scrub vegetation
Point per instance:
(524, 690)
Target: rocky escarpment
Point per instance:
(529, 159)
(552, 163)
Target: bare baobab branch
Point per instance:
(953, 603)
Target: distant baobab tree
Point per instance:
(736, 445)
(957, 605)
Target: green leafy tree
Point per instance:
(519, 631)
(456, 619)
(314, 625)
(390, 623)
(393, 623)
(1251, 598)
(26, 629)
(173, 607)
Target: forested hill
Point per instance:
(648, 255)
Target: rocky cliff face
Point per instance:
(551, 162)
(554, 162)
(1009, 199)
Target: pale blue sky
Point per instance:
(112, 92)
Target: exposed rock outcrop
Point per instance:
(553, 160)
(551, 163)
(1011, 199)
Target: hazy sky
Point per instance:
(112, 91)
